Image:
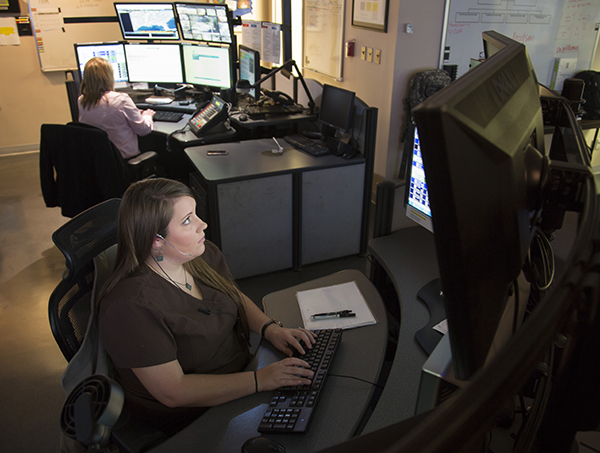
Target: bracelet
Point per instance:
(267, 324)
(255, 382)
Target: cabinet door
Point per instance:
(331, 212)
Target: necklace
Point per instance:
(186, 284)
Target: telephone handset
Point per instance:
(279, 97)
(208, 116)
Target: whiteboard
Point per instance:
(324, 36)
(55, 33)
(549, 28)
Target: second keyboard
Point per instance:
(299, 141)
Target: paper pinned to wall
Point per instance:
(271, 43)
(251, 34)
(345, 296)
(8, 32)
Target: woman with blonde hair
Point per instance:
(173, 321)
(113, 112)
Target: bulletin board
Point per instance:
(324, 36)
(58, 24)
(549, 28)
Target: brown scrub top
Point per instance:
(146, 321)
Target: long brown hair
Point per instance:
(98, 78)
(145, 211)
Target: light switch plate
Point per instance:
(363, 53)
(370, 54)
(377, 56)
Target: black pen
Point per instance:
(334, 314)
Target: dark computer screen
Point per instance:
(148, 21)
(114, 52)
(154, 63)
(250, 68)
(482, 140)
(206, 22)
(337, 107)
(207, 66)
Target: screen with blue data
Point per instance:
(149, 21)
(113, 52)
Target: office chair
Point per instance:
(80, 167)
(93, 412)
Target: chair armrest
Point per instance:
(143, 157)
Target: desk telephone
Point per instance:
(208, 116)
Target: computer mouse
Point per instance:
(243, 117)
(262, 444)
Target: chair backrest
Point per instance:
(79, 167)
(80, 240)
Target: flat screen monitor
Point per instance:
(147, 21)
(154, 63)
(337, 107)
(416, 194)
(482, 140)
(250, 68)
(114, 52)
(207, 66)
(208, 22)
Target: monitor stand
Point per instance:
(433, 297)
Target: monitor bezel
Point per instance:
(230, 59)
(257, 68)
(127, 45)
(143, 38)
(98, 44)
(348, 126)
(214, 6)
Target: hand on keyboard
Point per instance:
(287, 372)
(291, 341)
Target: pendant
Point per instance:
(188, 286)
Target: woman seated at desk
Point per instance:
(173, 321)
(101, 106)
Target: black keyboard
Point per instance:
(273, 109)
(291, 408)
(170, 117)
(299, 141)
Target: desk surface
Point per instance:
(344, 400)
(409, 258)
(253, 159)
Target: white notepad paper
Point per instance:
(345, 296)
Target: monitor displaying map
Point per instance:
(147, 21)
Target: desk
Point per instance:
(268, 212)
(409, 258)
(344, 400)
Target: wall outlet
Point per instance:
(370, 54)
(363, 53)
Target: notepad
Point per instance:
(345, 296)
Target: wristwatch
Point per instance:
(267, 324)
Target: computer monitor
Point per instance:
(114, 52)
(208, 22)
(147, 21)
(208, 66)
(154, 63)
(337, 107)
(482, 140)
(416, 195)
(250, 68)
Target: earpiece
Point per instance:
(186, 254)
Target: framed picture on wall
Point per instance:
(370, 14)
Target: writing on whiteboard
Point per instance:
(456, 29)
(567, 48)
(523, 37)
